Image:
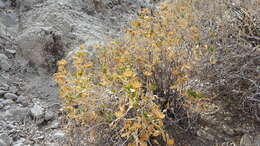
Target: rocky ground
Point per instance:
(37, 34)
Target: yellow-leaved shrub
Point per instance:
(155, 59)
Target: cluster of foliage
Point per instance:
(130, 84)
(234, 77)
(154, 60)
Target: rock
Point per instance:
(22, 142)
(5, 140)
(37, 111)
(228, 130)
(8, 102)
(58, 136)
(11, 96)
(13, 89)
(12, 52)
(246, 140)
(2, 93)
(4, 86)
(4, 64)
(49, 115)
(40, 46)
(23, 100)
(204, 132)
(1, 105)
(19, 143)
(16, 114)
(8, 19)
(257, 140)
(54, 125)
(3, 57)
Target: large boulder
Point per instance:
(41, 47)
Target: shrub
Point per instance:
(153, 62)
(233, 76)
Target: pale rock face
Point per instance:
(37, 45)
(4, 64)
(32, 43)
(16, 114)
(37, 111)
(5, 140)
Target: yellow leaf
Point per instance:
(195, 36)
(62, 62)
(136, 85)
(136, 24)
(82, 47)
(158, 113)
(156, 133)
(128, 73)
(136, 126)
(131, 144)
(143, 143)
(127, 124)
(177, 73)
(156, 142)
(119, 114)
(170, 142)
(88, 65)
(144, 136)
(126, 134)
(173, 87)
(188, 67)
(147, 73)
(194, 29)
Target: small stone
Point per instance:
(23, 100)
(49, 115)
(37, 111)
(58, 136)
(228, 130)
(39, 138)
(13, 52)
(5, 140)
(11, 96)
(246, 140)
(54, 125)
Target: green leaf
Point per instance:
(194, 94)
(211, 49)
